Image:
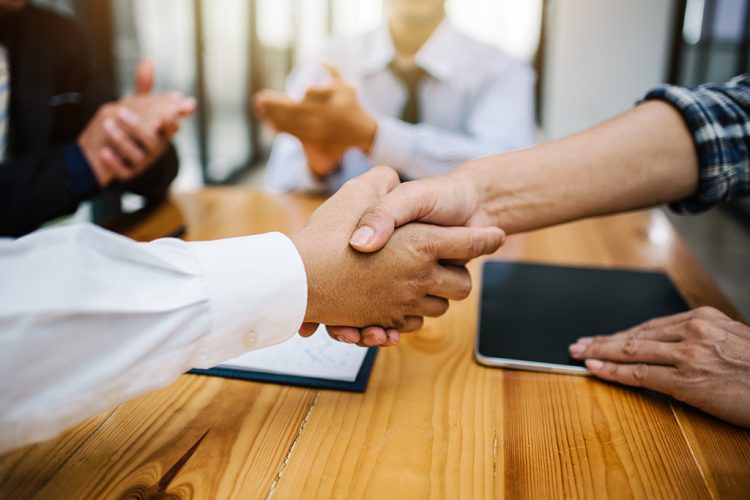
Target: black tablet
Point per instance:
(530, 313)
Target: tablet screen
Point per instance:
(533, 312)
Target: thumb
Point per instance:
(307, 329)
(145, 75)
(332, 71)
(406, 203)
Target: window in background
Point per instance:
(714, 43)
(510, 25)
(226, 72)
(163, 31)
(217, 142)
(352, 17)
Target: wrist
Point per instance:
(507, 190)
(102, 174)
(303, 248)
(476, 188)
(368, 130)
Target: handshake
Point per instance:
(371, 275)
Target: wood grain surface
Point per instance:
(432, 424)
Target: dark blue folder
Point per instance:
(359, 384)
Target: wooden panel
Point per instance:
(722, 450)
(24, 472)
(202, 437)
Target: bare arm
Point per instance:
(641, 158)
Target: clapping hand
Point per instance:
(126, 137)
(328, 121)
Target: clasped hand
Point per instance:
(413, 276)
(126, 137)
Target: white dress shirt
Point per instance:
(475, 101)
(90, 319)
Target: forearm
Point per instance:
(639, 159)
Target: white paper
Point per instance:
(318, 356)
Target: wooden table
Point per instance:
(432, 424)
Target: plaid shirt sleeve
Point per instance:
(718, 116)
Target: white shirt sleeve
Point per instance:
(90, 319)
(501, 119)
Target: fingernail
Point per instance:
(362, 236)
(189, 104)
(594, 364)
(577, 348)
(351, 338)
(128, 116)
(110, 126)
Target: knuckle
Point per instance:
(648, 325)
(640, 373)
(630, 346)
(594, 349)
(386, 172)
(476, 245)
(700, 328)
(421, 243)
(442, 307)
(694, 325)
(412, 298)
(705, 312)
(377, 212)
(398, 323)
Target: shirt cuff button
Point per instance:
(250, 340)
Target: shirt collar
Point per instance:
(437, 55)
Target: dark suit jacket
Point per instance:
(54, 93)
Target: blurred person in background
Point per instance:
(63, 138)
(415, 94)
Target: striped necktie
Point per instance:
(4, 99)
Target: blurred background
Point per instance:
(593, 58)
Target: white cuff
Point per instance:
(257, 289)
(394, 144)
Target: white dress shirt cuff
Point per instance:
(257, 290)
(394, 144)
